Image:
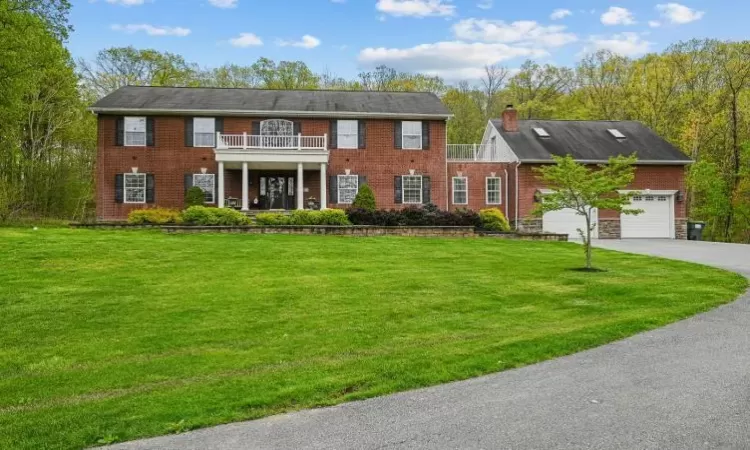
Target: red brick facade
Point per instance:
(169, 160)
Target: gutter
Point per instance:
(506, 192)
(258, 113)
(640, 162)
(517, 166)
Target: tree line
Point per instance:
(696, 94)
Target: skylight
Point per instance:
(541, 132)
(616, 133)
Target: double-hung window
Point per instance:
(135, 187)
(347, 186)
(493, 190)
(411, 135)
(204, 131)
(460, 190)
(207, 183)
(135, 131)
(347, 134)
(411, 189)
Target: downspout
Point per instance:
(445, 180)
(517, 166)
(506, 191)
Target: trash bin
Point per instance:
(695, 230)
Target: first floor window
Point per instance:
(204, 131)
(347, 185)
(411, 188)
(135, 187)
(460, 190)
(347, 132)
(493, 191)
(135, 131)
(411, 135)
(206, 181)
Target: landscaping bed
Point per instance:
(109, 336)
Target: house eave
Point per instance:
(253, 113)
(643, 162)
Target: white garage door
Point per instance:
(654, 222)
(567, 221)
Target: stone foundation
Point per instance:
(530, 225)
(609, 229)
(681, 228)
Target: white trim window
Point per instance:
(347, 134)
(207, 183)
(135, 131)
(348, 186)
(460, 190)
(134, 185)
(493, 197)
(204, 132)
(411, 135)
(411, 189)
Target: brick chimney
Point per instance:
(510, 119)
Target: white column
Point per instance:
(323, 193)
(221, 184)
(300, 187)
(245, 201)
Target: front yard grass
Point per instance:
(114, 335)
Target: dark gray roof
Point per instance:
(589, 141)
(262, 101)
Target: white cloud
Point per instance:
(223, 3)
(618, 16)
(625, 44)
(679, 14)
(246, 40)
(307, 41)
(126, 2)
(416, 8)
(452, 60)
(654, 23)
(524, 32)
(152, 30)
(559, 14)
(484, 4)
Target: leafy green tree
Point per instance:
(584, 189)
(365, 198)
(194, 197)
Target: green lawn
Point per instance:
(115, 335)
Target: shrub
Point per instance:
(155, 216)
(365, 199)
(494, 220)
(414, 216)
(272, 219)
(194, 197)
(305, 217)
(334, 217)
(203, 215)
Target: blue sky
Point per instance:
(453, 39)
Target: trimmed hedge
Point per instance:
(427, 216)
(304, 217)
(365, 199)
(494, 220)
(203, 215)
(154, 216)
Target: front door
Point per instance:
(279, 192)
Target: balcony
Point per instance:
(271, 148)
(473, 153)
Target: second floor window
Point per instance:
(412, 189)
(135, 131)
(411, 134)
(204, 131)
(347, 134)
(460, 190)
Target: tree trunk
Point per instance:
(588, 240)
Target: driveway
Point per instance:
(683, 386)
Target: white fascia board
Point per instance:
(251, 113)
(640, 162)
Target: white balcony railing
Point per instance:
(473, 152)
(248, 141)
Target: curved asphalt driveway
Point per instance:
(684, 386)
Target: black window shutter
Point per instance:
(188, 131)
(397, 189)
(219, 125)
(333, 189)
(119, 188)
(120, 131)
(426, 190)
(425, 135)
(362, 133)
(150, 132)
(256, 128)
(362, 181)
(334, 139)
(297, 128)
(188, 181)
(150, 187)
(397, 138)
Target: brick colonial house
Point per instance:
(254, 149)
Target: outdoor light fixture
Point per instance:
(679, 196)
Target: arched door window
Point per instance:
(277, 133)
